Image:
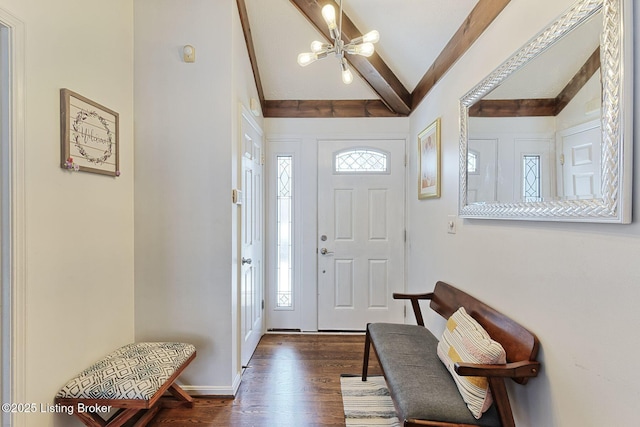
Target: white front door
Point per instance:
(482, 166)
(252, 238)
(361, 202)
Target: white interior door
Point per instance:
(4, 226)
(12, 134)
(252, 236)
(360, 232)
(580, 162)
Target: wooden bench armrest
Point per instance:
(526, 368)
(415, 298)
(397, 295)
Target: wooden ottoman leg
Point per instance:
(90, 419)
(181, 395)
(121, 417)
(148, 416)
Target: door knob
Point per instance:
(324, 251)
(246, 261)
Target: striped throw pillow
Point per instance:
(464, 340)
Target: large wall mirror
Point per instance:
(548, 134)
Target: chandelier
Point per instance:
(362, 45)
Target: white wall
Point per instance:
(574, 285)
(186, 151)
(79, 226)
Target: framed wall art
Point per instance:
(429, 161)
(89, 135)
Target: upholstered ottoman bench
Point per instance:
(131, 379)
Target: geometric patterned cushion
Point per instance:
(135, 371)
(464, 340)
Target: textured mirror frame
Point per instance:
(616, 47)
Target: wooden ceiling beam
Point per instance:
(476, 23)
(373, 69)
(328, 108)
(578, 81)
(514, 108)
(395, 98)
(248, 39)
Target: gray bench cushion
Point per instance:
(135, 371)
(419, 383)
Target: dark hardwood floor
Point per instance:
(291, 380)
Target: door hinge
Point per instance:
(263, 304)
(262, 159)
(562, 159)
(405, 311)
(405, 235)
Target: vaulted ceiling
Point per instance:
(419, 41)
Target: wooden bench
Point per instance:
(131, 379)
(422, 389)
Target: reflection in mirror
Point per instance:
(533, 144)
(525, 126)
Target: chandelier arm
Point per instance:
(340, 25)
(326, 52)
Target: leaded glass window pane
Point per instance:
(284, 268)
(361, 160)
(531, 178)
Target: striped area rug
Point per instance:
(367, 403)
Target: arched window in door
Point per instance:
(361, 160)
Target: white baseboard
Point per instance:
(203, 390)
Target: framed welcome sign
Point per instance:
(89, 135)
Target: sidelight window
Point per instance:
(531, 178)
(472, 162)
(284, 268)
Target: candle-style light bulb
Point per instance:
(317, 46)
(306, 58)
(347, 75)
(371, 37)
(364, 49)
(329, 15)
